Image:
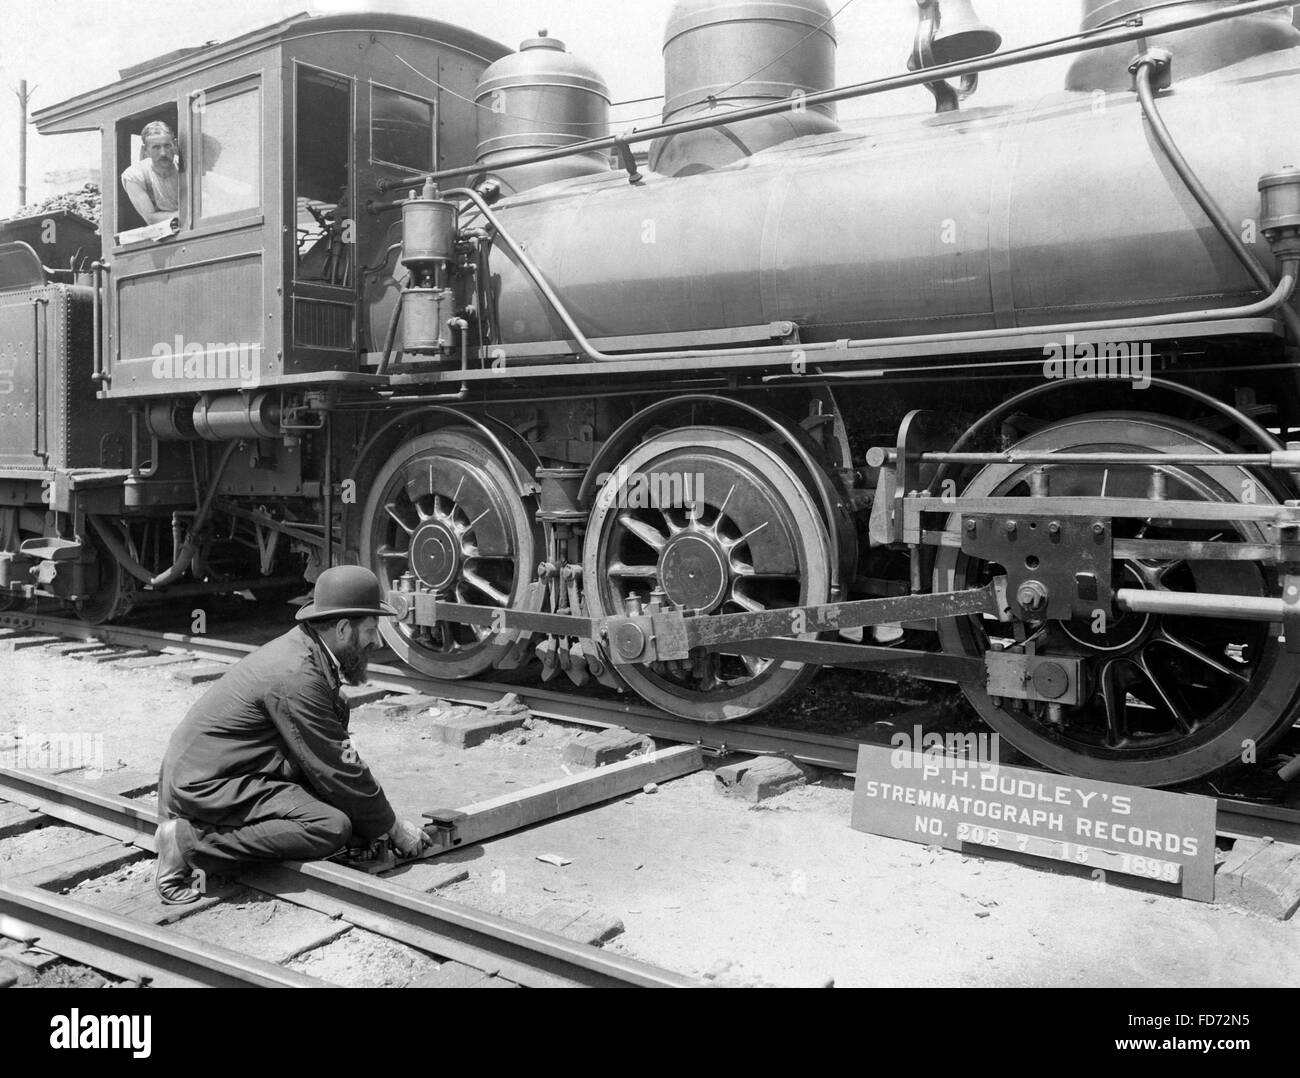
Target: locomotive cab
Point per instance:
(277, 269)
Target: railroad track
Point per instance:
(131, 949)
(1237, 817)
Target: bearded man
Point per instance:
(262, 768)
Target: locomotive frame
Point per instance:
(471, 470)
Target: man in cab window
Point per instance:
(153, 183)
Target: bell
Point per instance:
(960, 35)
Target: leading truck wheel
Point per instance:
(446, 509)
(723, 524)
(1167, 699)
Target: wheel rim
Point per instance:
(744, 535)
(1167, 699)
(445, 509)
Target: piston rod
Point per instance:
(1192, 604)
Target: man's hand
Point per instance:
(408, 839)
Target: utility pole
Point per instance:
(23, 98)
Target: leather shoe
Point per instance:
(173, 878)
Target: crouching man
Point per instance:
(261, 768)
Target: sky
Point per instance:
(64, 47)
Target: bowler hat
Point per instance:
(346, 591)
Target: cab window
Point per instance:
(130, 152)
(227, 152)
(322, 163)
(401, 129)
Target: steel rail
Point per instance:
(1133, 30)
(1236, 817)
(520, 953)
(133, 950)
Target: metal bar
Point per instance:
(881, 350)
(1196, 604)
(1289, 460)
(134, 950)
(37, 410)
(1076, 43)
(268, 521)
(1167, 549)
(934, 665)
(97, 373)
(728, 628)
(328, 483)
(427, 610)
(1102, 508)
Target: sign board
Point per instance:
(961, 804)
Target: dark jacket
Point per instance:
(275, 715)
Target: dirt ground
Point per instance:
(779, 893)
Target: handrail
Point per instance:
(38, 323)
(98, 375)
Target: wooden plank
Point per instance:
(39, 641)
(15, 819)
(510, 812)
(167, 659)
(143, 904)
(115, 656)
(69, 865)
(200, 674)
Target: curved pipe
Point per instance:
(188, 549)
(1280, 294)
(1146, 95)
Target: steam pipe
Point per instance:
(188, 548)
(1085, 41)
(1146, 95)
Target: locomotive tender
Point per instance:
(998, 396)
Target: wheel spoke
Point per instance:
(643, 572)
(1165, 698)
(1112, 698)
(647, 533)
(475, 581)
(752, 605)
(391, 510)
(1166, 637)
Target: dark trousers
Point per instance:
(232, 822)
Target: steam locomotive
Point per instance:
(998, 396)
